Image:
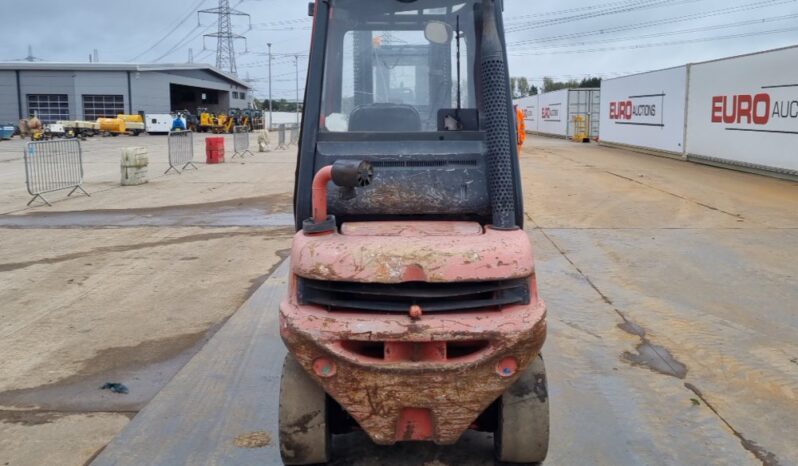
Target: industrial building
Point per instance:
(87, 91)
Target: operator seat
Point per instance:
(385, 117)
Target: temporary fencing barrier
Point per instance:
(181, 151)
(295, 136)
(52, 166)
(241, 142)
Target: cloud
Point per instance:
(121, 31)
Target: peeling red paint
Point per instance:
(402, 378)
(492, 255)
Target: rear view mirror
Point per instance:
(438, 32)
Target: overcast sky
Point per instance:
(546, 37)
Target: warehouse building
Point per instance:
(87, 91)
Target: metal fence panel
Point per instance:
(181, 151)
(241, 142)
(53, 166)
(295, 136)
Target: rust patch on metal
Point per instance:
(458, 256)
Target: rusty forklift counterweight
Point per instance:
(412, 310)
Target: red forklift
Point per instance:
(412, 311)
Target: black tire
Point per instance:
(522, 434)
(304, 430)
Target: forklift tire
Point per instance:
(522, 434)
(304, 430)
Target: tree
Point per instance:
(590, 82)
(281, 105)
(520, 87)
(550, 85)
(523, 87)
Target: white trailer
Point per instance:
(744, 111)
(646, 111)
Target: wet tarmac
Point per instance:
(269, 211)
(144, 369)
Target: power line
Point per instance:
(660, 44)
(669, 33)
(659, 22)
(610, 11)
(523, 18)
(185, 41)
(172, 31)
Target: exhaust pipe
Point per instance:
(496, 102)
(347, 174)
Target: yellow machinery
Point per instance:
(122, 124)
(133, 123)
(580, 129)
(211, 122)
(131, 118)
(112, 125)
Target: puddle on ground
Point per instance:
(265, 211)
(651, 356)
(145, 369)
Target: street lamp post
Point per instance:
(296, 64)
(270, 87)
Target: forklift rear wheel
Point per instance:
(522, 434)
(304, 431)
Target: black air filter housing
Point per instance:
(496, 103)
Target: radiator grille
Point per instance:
(432, 297)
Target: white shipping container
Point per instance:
(529, 105)
(553, 116)
(587, 104)
(744, 110)
(645, 110)
(559, 108)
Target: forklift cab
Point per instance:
(397, 84)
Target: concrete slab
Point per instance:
(123, 286)
(228, 391)
(60, 438)
(671, 289)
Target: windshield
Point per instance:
(392, 66)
